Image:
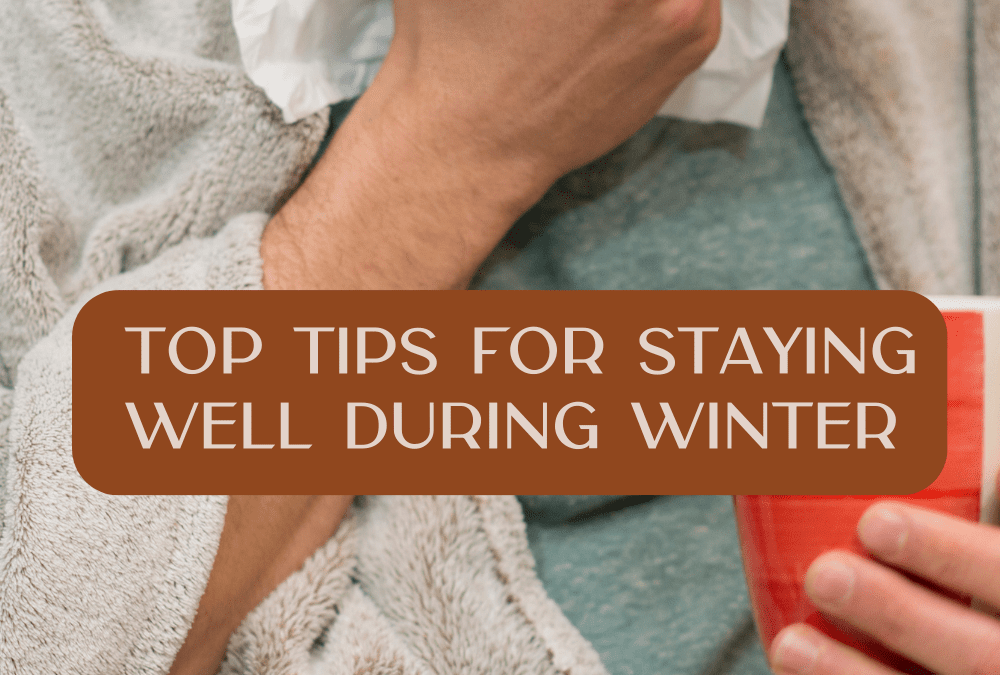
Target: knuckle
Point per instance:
(682, 16)
(693, 21)
(693, 27)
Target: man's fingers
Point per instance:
(907, 618)
(803, 650)
(948, 551)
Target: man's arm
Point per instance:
(264, 539)
(478, 108)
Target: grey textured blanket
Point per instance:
(134, 153)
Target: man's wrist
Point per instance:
(404, 197)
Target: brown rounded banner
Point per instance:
(558, 392)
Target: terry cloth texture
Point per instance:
(886, 90)
(986, 39)
(130, 145)
(90, 582)
(415, 586)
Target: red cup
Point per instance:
(780, 536)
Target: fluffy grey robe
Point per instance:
(986, 38)
(131, 143)
(885, 87)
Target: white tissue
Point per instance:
(308, 54)
(734, 83)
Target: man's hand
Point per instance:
(479, 106)
(549, 85)
(929, 629)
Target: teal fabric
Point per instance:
(657, 586)
(685, 206)
(560, 508)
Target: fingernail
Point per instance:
(829, 583)
(795, 653)
(883, 532)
